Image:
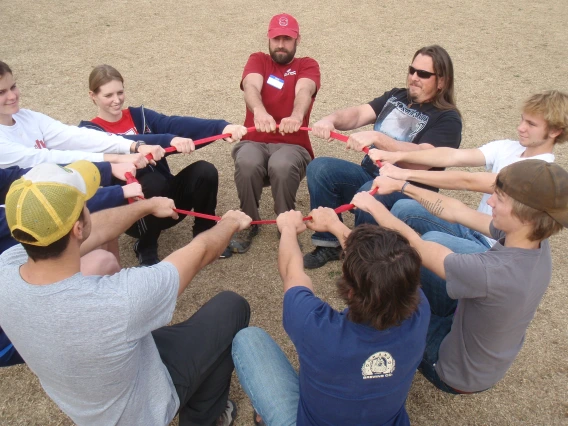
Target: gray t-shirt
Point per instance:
(88, 340)
(498, 292)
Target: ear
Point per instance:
(92, 96)
(441, 83)
(554, 133)
(77, 230)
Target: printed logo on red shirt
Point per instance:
(39, 144)
(289, 72)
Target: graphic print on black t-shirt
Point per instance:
(400, 122)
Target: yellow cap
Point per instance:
(47, 201)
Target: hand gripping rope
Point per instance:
(131, 179)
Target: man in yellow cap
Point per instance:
(99, 343)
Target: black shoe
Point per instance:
(227, 418)
(320, 256)
(226, 253)
(242, 240)
(147, 256)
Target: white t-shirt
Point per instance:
(36, 138)
(498, 155)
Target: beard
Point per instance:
(282, 56)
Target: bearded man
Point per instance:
(278, 89)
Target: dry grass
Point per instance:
(187, 58)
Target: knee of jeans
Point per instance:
(366, 187)
(434, 236)
(402, 209)
(319, 168)
(248, 338)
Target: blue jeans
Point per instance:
(333, 182)
(456, 237)
(266, 376)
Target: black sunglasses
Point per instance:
(421, 73)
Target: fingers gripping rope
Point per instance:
(131, 179)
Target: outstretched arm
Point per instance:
(447, 179)
(304, 91)
(290, 259)
(252, 85)
(109, 224)
(435, 157)
(206, 247)
(344, 119)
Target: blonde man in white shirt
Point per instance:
(544, 123)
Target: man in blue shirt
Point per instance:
(356, 366)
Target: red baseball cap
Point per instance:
(283, 25)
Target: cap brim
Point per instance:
(90, 174)
(277, 32)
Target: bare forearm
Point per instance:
(109, 224)
(253, 100)
(444, 157)
(291, 261)
(452, 179)
(301, 104)
(201, 251)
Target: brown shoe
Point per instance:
(243, 239)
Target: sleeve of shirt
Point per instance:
(106, 198)
(299, 303)
(186, 127)
(255, 65)
(310, 69)
(152, 295)
(15, 154)
(446, 132)
(379, 103)
(466, 276)
(63, 137)
(489, 151)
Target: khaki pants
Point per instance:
(280, 165)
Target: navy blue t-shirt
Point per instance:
(352, 374)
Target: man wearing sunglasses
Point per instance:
(421, 116)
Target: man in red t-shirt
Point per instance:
(279, 89)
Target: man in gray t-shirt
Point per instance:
(482, 303)
(99, 344)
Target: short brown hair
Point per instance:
(4, 69)
(552, 105)
(381, 277)
(101, 75)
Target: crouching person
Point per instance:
(356, 366)
(99, 344)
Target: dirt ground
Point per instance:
(187, 57)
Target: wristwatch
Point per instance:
(138, 144)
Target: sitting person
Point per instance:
(543, 126)
(422, 115)
(356, 366)
(28, 138)
(195, 187)
(483, 303)
(279, 88)
(97, 262)
(100, 345)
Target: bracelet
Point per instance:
(403, 186)
(138, 144)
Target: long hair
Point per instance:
(381, 277)
(444, 68)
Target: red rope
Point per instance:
(131, 179)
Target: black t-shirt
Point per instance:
(420, 123)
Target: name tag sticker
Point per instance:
(275, 81)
